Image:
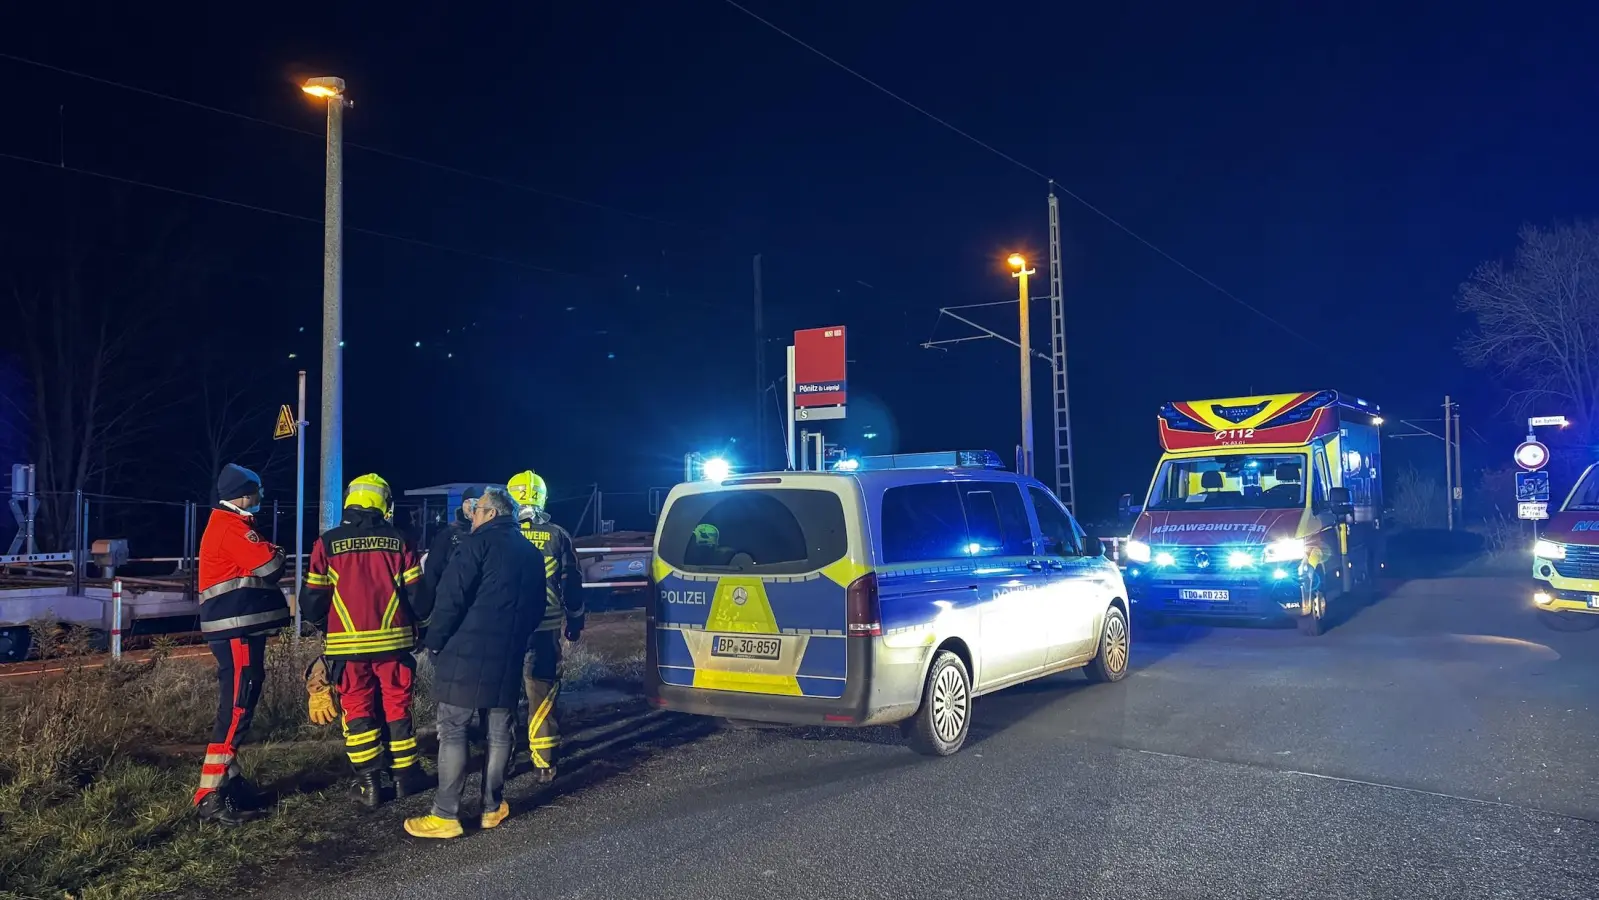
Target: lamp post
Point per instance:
(1024, 461)
(332, 466)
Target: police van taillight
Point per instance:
(863, 614)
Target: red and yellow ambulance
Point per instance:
(1265, 507)
(1565, 560)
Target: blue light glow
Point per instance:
(1279, 574)
(1238, 559)
(1163, 558)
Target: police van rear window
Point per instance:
(771, 532)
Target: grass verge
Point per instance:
(98, 766)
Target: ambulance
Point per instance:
(1565, 560)
(1263, 508)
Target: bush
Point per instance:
(1418, 500)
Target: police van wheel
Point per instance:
(940, 726)
(1115, 649)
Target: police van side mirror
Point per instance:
(1339, 503)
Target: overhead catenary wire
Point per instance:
(392, 154)
(1053, 184)
(313, 220)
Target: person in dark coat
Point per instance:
(439, 551)
(490, 599)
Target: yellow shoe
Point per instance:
(431, 826)
(491, 819)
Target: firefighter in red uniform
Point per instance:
(240, 604)
(360, 589)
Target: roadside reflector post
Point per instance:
(116, 618)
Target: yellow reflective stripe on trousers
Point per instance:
(365, 737)
(361, 756)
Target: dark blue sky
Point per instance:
(1341, 170)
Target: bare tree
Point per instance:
(1538, 322)
(235, 426)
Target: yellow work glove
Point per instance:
(321, 707)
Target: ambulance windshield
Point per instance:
(1264, 481)
(1586, 496)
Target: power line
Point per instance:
(417, 242)
(391, 154)
(1053, 184)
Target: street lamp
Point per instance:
(332, 90)
(1024, 460)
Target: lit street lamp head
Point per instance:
(1017, 261)
(326, 87)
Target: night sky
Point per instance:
(1340, 170)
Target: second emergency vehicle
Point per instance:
(1264, 507)
(1565, 563)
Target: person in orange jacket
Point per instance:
(240, 604)
(360, 589)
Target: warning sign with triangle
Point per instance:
(287, 426)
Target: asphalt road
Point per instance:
(1440, 743)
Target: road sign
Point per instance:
(818, 413)
(1532, 486)
(1532, 455)
(1532, 510)
(287, 426)
(1536, 421)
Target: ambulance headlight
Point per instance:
(1137, 551)
(1549, 550)
(1285, 550)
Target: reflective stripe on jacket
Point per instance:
(238, 579)
(563, 580)
(359, 587)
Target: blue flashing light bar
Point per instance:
(938, 459)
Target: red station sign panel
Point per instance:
(819, 363)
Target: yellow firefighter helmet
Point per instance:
(370, 491)
(528, 489)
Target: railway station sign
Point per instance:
(819, 372)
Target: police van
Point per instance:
(893, 593)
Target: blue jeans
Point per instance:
(453, 752)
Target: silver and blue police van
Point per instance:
(893, 593)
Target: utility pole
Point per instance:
(299, 507)
(1024, 461)
(1449, 465)
(1459, 490)
(332, 90)
(760, 373)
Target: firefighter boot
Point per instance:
(241, 791)
(410, 781)
(369, 789)
(219, 808)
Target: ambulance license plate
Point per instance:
(1189, 594)
(746, 647)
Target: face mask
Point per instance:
(254, 508)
